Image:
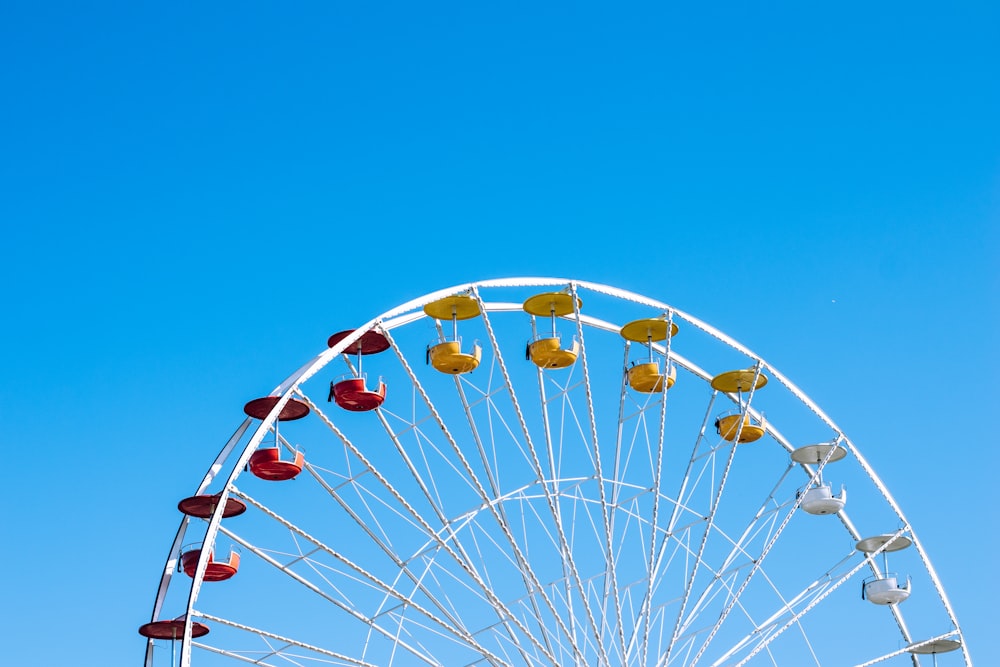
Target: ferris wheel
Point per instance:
(537, 471)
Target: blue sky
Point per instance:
(193, 197)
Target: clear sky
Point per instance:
(194, 195)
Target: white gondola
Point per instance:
(819, 499)
(886, 590)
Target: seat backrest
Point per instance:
(265, 455)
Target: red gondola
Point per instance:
(267, 464)
(351, 393)
(214, 570)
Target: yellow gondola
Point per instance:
(728, 427)
(647, 376)
(546, 350)
(447, 355)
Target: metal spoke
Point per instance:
(528, 575)
(291, 642)
(578, 654)
(456, 630)
(710, 519)
(501, 609)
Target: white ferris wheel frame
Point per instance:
(410, 312)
